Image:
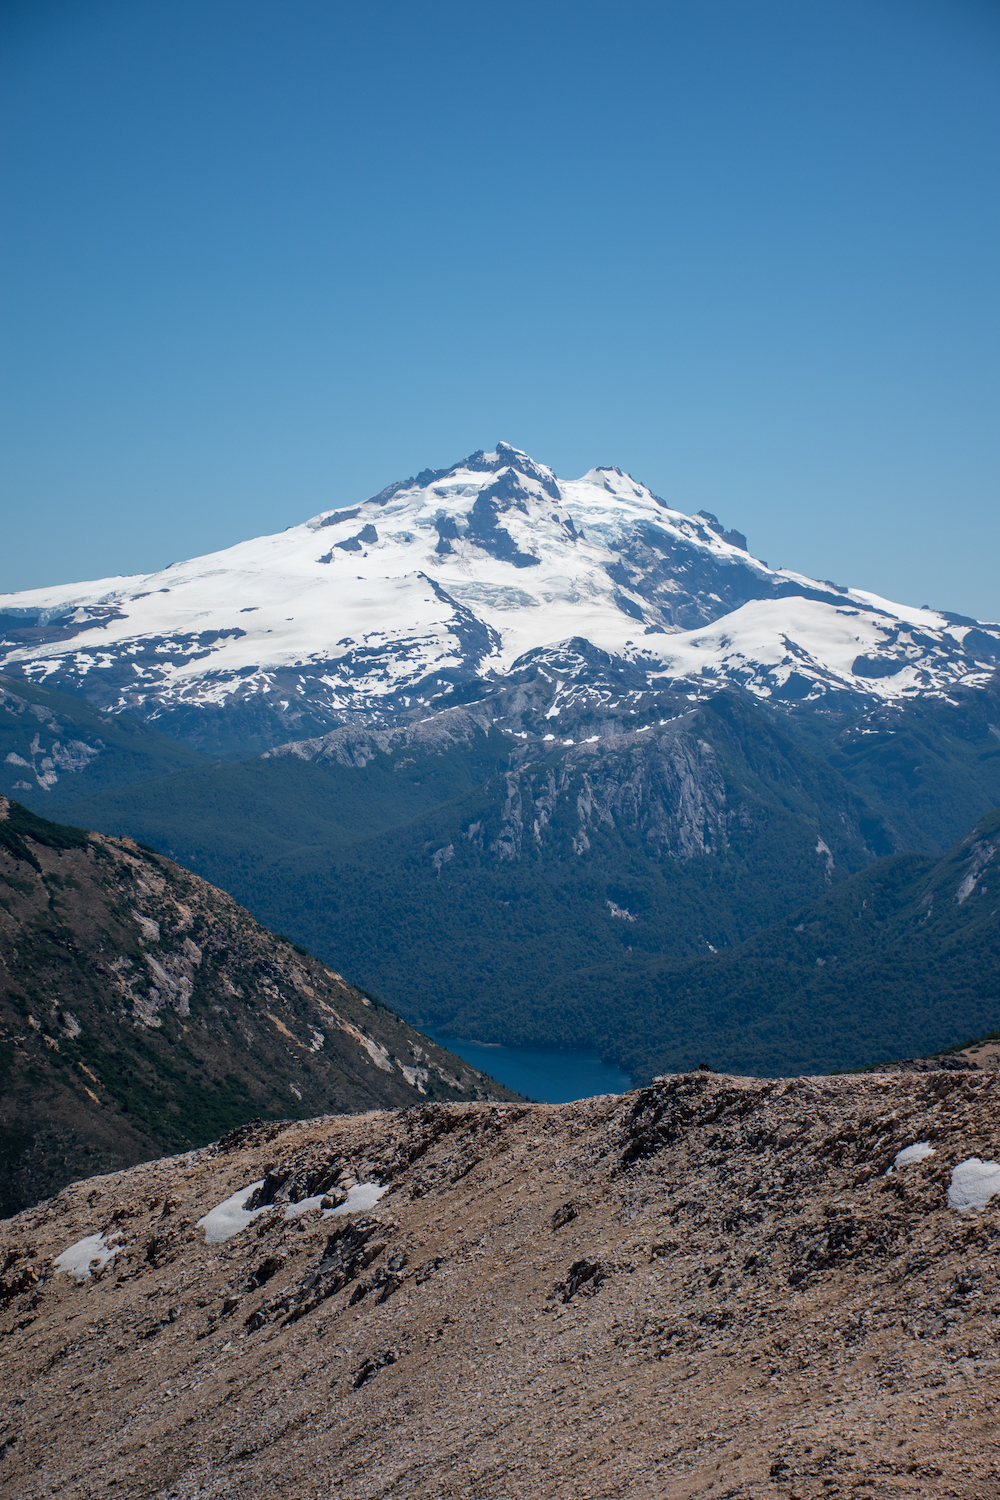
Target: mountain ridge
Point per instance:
(143, 1010)
(443, 584)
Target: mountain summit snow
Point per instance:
(426, 592)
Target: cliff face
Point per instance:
(143, 1011)
(712, 1287)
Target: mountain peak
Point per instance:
(445, 580)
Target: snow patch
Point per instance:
(229, 1217)
(92, 1253)
(917, 1152)
(973, 1184)
(304, 1206)
(363, 1195)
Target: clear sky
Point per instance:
(259, 258)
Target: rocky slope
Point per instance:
(142, 1010)
(715, 1287)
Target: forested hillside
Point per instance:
(900, 960)
(534, 892)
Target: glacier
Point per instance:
(425, 594)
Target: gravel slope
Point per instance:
(709, 1287)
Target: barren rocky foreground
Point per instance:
(710, 1287)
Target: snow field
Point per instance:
(918, 1152)
(230, 1216)
(402, 599)
(973, 1184)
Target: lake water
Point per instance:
(552, 1076)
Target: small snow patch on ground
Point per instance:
(973, 1184)
(89, 1254)
(918, 1152)
(230, 1217)
(362, 1195)
(304, 1206)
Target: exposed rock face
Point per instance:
(658, 778)
(712, 1287)
(141, 1009)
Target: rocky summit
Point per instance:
(715, 1286)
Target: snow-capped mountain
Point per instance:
(427, 591)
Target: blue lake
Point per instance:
(554, 1077)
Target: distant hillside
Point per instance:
(55, 748)
(535, 893)
(900, 960)
(143, 1011)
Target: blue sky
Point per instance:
(261, 257)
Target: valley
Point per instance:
(547, 764)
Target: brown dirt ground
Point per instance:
(706, 1288)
